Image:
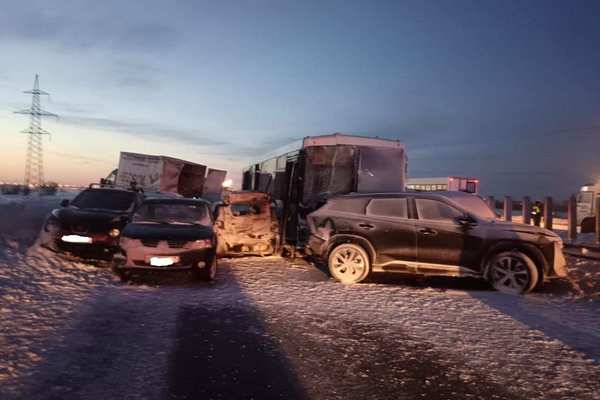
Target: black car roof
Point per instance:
(108, 189)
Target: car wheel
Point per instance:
(209, 272)
(348, 263)
(512, 272)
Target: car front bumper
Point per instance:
(101, 248)
(559, 265)
(140, 259)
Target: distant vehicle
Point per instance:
(447, 234)
(446, 183)
(8, 188)
(302, 175)
(90, 225)
(167, 175)
(586, 206)
(48, 189)
(169, 235)
(246, 224)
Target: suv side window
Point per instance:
(396, 207)
(436, 210)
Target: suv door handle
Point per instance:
(427, 232)
(366, 226)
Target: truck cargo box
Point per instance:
(167, 174)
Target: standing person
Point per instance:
(536, 213)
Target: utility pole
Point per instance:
(34, 161)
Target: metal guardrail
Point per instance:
(548, 215)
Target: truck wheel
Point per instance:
(348, 263)
(588, 225)
(209, 271)
(512, 272)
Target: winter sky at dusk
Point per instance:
(505, 91)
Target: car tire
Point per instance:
(209, 271)
(512, 272)
(348, 263)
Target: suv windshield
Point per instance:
(476, 206)
(173, 213)
(114, 200)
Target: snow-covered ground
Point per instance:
(73, 331)
(271, 328)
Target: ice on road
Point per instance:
(269, 328)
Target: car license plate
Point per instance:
(163, 261)
(76, 239)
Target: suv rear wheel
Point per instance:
(348, 263)
(512, 272)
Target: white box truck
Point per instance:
(168, 174)
(586, 206)
(445, 183)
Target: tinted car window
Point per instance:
(114, 200)
(436, 210)
(475, 205)
(351, 205)
(388, 208)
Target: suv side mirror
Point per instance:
(466, 220)
(64, 203)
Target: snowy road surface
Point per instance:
(272, 329)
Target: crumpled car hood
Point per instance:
(87, 220)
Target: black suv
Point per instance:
(90, 225)
(442, 233)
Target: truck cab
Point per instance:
(586, 204)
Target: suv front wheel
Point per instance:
(512, 272)
(348, 263)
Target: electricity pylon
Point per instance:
(34, 162)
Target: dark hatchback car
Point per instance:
(90, 225)
(445, 233)
(168, 235)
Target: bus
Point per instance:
(302, 175)
(446, 183)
